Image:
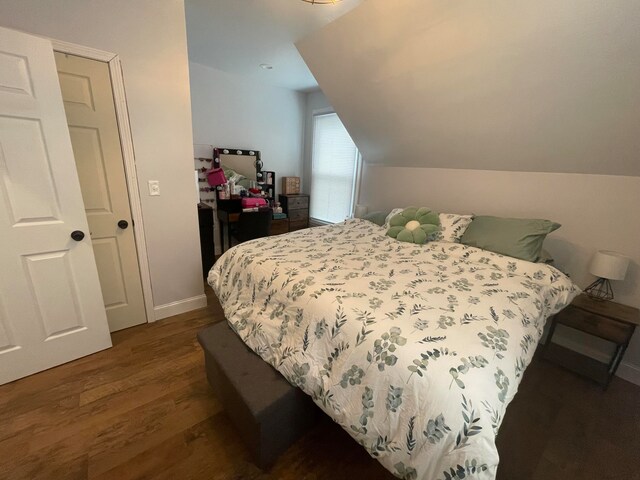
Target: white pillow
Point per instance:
(392, 213)
(452, 227)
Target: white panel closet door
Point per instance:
(91, 115)
(51, 308)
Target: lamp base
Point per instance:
(600, 290)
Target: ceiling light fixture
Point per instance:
(321, 2)
(266, 66)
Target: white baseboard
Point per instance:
(626, 371)
(629, 372)
(181, 306)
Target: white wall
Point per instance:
(232, 111)
(150, 38)
(239, 112)
(596, 212)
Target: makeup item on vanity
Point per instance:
(253, 202)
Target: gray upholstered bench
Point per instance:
(268, 412)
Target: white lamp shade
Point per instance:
(610, 265)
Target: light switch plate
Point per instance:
(154, 188)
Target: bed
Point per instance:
(416, 351)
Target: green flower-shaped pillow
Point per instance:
(414, 225)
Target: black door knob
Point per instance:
(77, 235)
(123, 224)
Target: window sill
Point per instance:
(314, 222)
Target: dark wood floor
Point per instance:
(143, 409)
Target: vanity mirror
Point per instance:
(241, 166)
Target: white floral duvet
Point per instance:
(414, 350)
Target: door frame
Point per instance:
(128, 154)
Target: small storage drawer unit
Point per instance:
(297, 209)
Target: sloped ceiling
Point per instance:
(548, 85)
(236, 36)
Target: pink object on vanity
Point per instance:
(253, 202)
(216, 177)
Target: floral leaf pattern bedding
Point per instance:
(415, 350)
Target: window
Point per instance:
(334, 168)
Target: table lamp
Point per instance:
(606, 265)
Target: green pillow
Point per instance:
(414, 225)
(516, 237)
(376, 217)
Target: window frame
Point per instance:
(357, 173)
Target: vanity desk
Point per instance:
(228, 213)
(244, 168)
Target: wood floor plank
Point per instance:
(151, 374)
(215, 452)
(60, 462)
(151, 463)
(143, 410)
(143, 428)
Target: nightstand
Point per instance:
(608, 320)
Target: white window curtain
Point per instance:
(334, 169)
